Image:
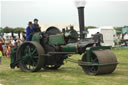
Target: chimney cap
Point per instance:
(80, 3)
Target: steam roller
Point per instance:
(49, 49)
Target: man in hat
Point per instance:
(29, 30)
(36, 26)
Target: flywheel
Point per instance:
(31, 55)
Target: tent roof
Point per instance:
(106, 27)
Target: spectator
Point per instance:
(23, 36)
(18, 42)
(12, 41)
(3, 44)
(3, 40)
(0, 57)
(0, 40)
(8, 49)
(1, 51)
(1, 48)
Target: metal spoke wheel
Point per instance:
(106, 62)
(32, 57)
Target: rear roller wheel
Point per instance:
(106, 62)
(32, 57)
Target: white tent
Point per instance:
(92, 31)
(109, 35)
(59, 26)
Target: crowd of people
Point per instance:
(7, 44)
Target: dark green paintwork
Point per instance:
(13, 57)
(88, 51)
(36, 37)
(71, 47)
(56, 39)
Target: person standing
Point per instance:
(1, 56)
(12, 42)
(8, 49)
(1, 48)
(23, 36)
(18, 41)
(1, 51)
(36, 26)
(29, 30)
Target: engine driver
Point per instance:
(36, 26)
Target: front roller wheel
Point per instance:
(104, 62)
(32, 57)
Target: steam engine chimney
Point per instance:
(80, 6)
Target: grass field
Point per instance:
(68, 74)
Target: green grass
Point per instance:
(68, 74)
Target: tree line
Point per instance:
(17, 29)
(10, 29)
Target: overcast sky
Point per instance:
(97, 12)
